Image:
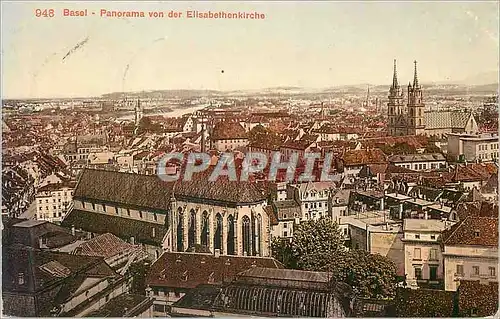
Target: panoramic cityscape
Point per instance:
(321, 160)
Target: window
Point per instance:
(476, 233)
(159, 308)
(155, 217)
(433, 254)
(433, 272)
(128, 212)
(285, 225)
(177, 294)
(417, 254)
(475, 270)
(492, 271)
(140, 214)
(20, 278)
(460, 270)
(285, 234)
(418, 273)
(417, 236)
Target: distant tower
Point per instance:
(139, 112)
(395, 105)
(368, 97)
(416, 123)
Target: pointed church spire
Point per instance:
(415, 77)
(395, 76)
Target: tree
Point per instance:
(314, 242)
(370, 275)
(318, 246)
(282, 251)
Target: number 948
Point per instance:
(46, 13)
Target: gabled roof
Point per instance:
(43, 268)
(473, 231)
(228, 130)
(188, 270)
(124, 228)
(150, 192)
(105, 245)
(446, 119)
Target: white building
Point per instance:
(471, 251)
(53, 201)
(419, 162)
(313, 198)
(423, 259)
(473, 147)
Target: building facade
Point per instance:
(411, 118)
(423, 258)
(473, 147)
(53, 201)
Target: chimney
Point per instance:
(132, 240)
(217, 253)
(40, 242)
(73, 230)
(382, 203)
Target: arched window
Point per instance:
(258, 235)
(204, 229)
(218, 232)
(230, 235)
(247, 249)
(192, 228)
(180, 230)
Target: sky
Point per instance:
(306, 44)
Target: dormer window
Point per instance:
(20, 278)
(184, 276)
(476, 233)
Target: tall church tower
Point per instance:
(395, 105)
(416, 121)
(139, 112)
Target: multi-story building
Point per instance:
(313, 198)
(423, 259)
(228, 136)
(473, 147)
(470, 251)
(53, 201)
(419, 162)
(223, 215)
(174, 274)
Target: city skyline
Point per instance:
(313, 45)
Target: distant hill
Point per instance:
(163, 94)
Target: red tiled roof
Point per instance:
(473, 231)
(362, 157)
(188, 270)
(227, 130)
(104, 245)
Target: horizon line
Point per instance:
(291, 87)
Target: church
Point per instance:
(410, 117)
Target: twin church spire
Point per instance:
(395, 85)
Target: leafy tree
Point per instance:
(138, 272)
(370, 275)
(282, 251)
(314, 241)
(318, 246)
